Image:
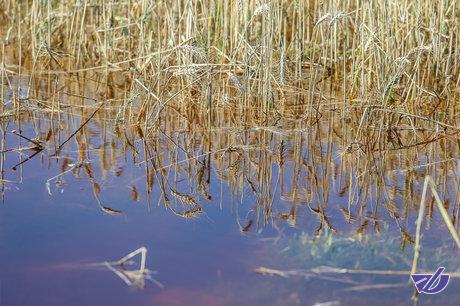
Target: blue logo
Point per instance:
(431, 283)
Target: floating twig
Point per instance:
(75, 133)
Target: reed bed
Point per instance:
(396, 61)
(288, 103)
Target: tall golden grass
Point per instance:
(286, 100)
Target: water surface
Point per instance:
(289, 198)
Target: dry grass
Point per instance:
(394, 60)
(282, 100)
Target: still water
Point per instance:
(64, 215)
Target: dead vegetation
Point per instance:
(293, 105)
